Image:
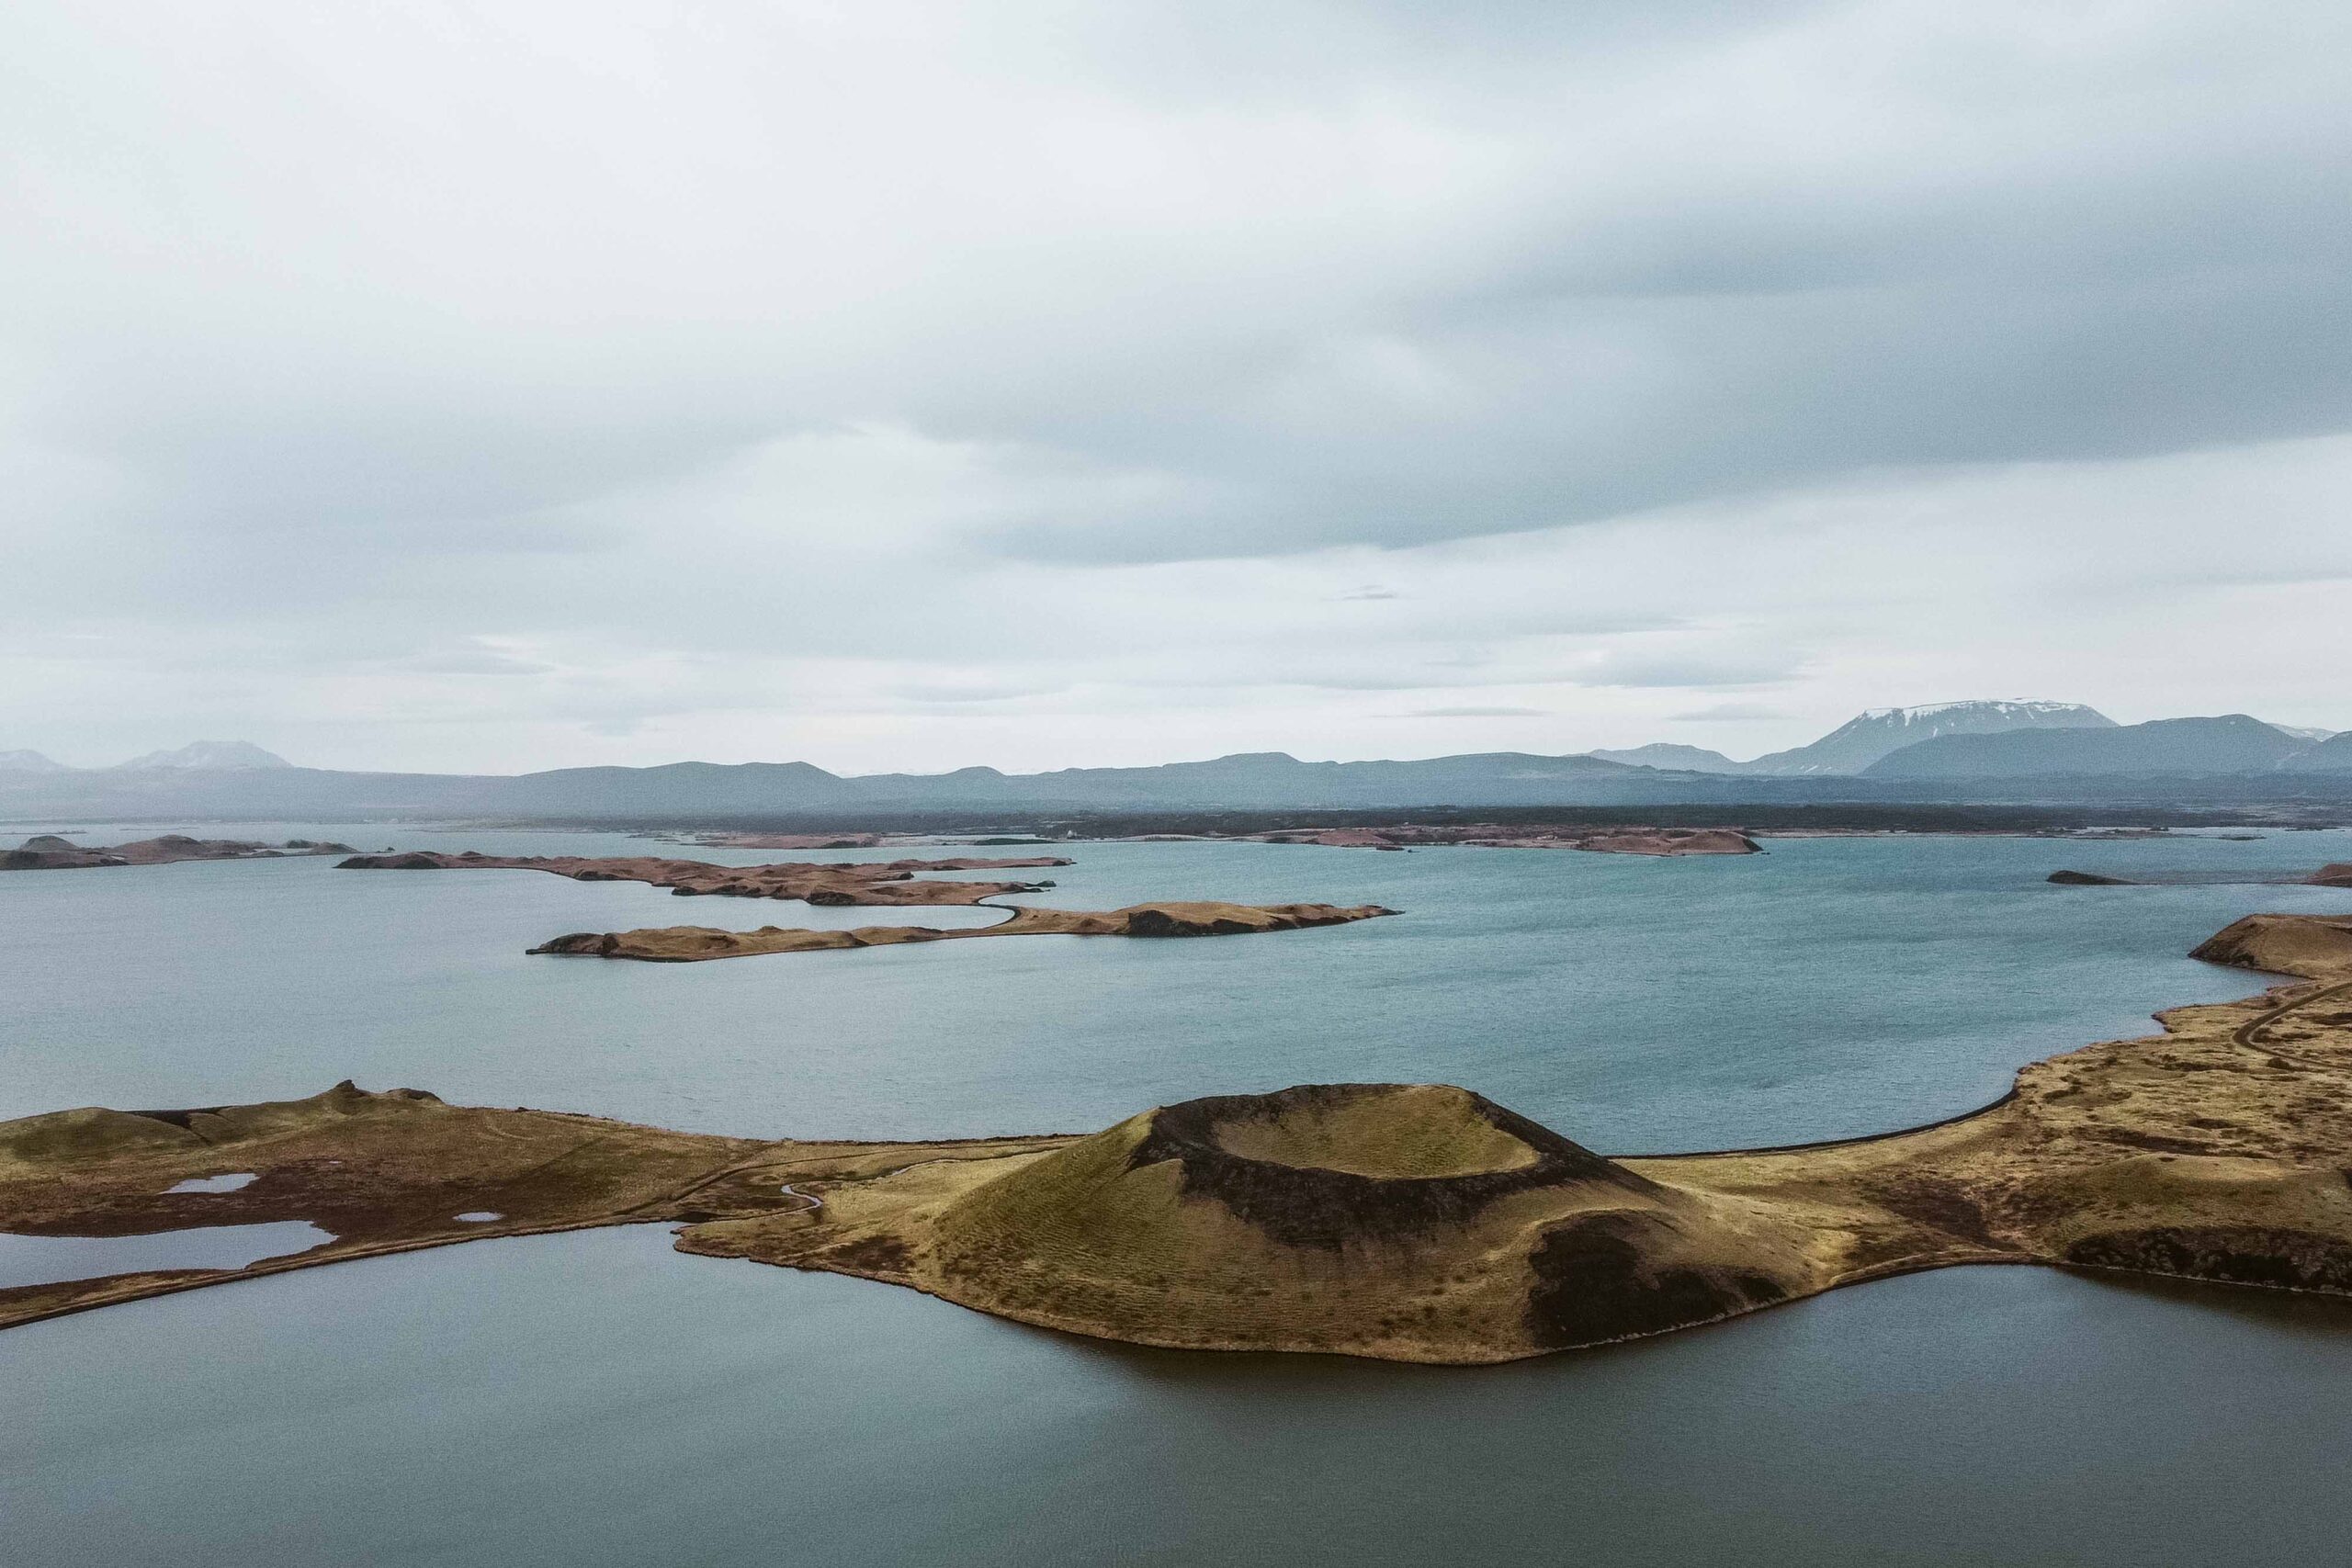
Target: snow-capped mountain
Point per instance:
(210, 756)
(1877, 732)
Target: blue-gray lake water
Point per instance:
(596, 1399)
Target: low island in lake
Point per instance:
(854, 883)
(47, 852)
(1588, 837)
(688, 945)
(834, 883)
(1407, 1222)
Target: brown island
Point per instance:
(689, 945)
(888, 883)
(1614, 840)
(2336, 876)
(841, 883)
(1404, 1221)
(47, 852)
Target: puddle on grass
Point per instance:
(51, 1259)
(213, 1183)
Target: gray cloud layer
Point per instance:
(908, 384)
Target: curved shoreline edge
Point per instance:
(1401, 1222)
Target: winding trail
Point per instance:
(2248, 1035)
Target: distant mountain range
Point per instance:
(2018, 739)
(2231, 744)
(212, 756)
(1951, 751)
(1683, 758)
(1863, 739)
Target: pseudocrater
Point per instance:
(1389, 1132)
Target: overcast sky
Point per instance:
(487, 387)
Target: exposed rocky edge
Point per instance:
(1615, 840)
(890, 883)
(1409, 1222)
(691, 944)
(2089, 879)
(2336, 876)
(2283, 944)
(47, 852)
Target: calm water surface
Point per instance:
(1830, 986)
(597, 1399)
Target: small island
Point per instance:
(841, 883)
(855, 883)
(690, 944)
(1593, 839)
(1406, 1221)
(47, 852)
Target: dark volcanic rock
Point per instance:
(1597, 1280)
(2283, 1259)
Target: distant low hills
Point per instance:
(214, 755)
(1663, 754)
(1984, 752)
(206, 756)
(2330, 756)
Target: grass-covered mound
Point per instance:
(1413, 1222)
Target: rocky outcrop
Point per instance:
(2089, 879)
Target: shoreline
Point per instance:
(2029, 1178)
